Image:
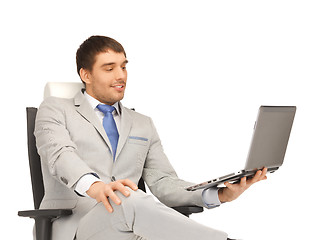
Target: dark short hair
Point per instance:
(90, 48)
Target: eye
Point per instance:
(109, 69)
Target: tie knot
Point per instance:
(105, 108)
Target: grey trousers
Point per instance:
(140, 217)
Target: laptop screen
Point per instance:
(270, 137)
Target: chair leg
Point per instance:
(43, 228)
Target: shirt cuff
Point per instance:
(85, 183)
(210, 197)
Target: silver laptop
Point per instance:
(268, 145)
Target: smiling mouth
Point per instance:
(118, 87)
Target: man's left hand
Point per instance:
(233, 191)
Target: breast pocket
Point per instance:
(138, 140)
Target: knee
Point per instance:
(98, 219)
(137, 200)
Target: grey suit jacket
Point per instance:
(72, 142)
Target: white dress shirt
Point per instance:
(209, 196)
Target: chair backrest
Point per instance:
(56, 89)
(62, 89)
(34, 159)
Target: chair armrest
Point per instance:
(188, 210)
(43, 220)
(45, 213)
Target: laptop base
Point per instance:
(231, 178)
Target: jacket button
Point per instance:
(65, 181)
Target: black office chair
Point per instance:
(44, 217)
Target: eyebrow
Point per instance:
(112, 63)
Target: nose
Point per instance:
(120, 74)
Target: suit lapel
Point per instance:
(126, 124)
(85, 110)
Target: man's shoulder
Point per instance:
(56, 104)
(139, 119)
(135, 114)
(56, 101)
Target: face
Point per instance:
(107, 80)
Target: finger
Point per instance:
(243, 182)
(254, 179)
(124, 191)
(264, 173)
(256, 176)
(229, 185)
(120, 187)
(107, 205)
(129, 183)
(114, 197)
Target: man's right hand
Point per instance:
(101, 191)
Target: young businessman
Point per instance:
(94, 151)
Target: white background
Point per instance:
(200, 69)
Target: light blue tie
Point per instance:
(110, 126)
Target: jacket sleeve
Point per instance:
(162, 179)
(57, 151)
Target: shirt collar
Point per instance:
(94, 103)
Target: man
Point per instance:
(94, 151)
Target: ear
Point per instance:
(85, 75)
